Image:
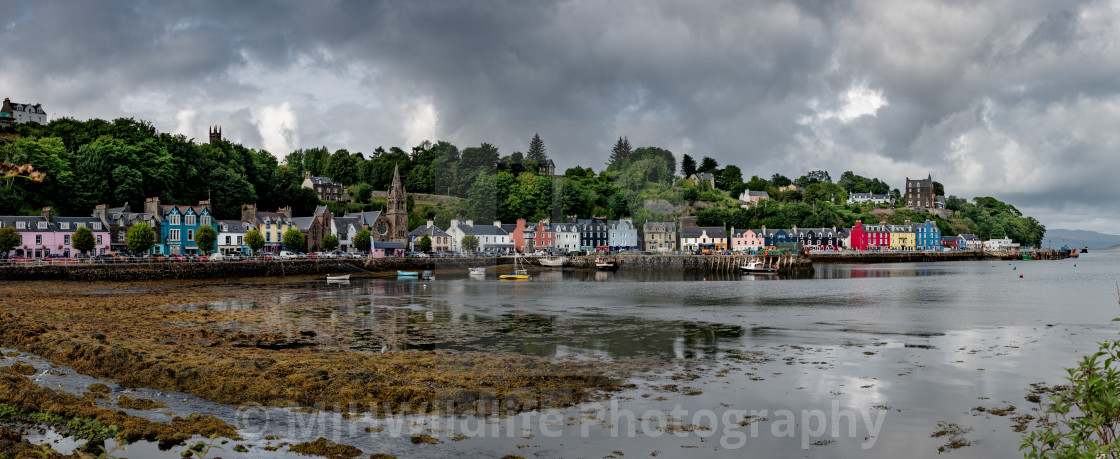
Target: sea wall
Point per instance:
(905, 257)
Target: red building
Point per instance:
(518, 235)
(878, 238)
(859, 237)
(545, 238)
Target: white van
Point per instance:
(286, 255)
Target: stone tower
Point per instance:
(215, 134)
(396, 210)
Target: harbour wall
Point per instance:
(914, 257)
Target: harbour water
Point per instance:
(857, 361)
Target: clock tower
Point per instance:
(396, 210)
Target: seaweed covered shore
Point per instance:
(139, 335)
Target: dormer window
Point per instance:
(42, 225)
(205, 220)
(96, 225)
(190, 220)
(173, 219)
(64, 225)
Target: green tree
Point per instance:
(707, 165)
(620, 152)
(536, 150)
(730, 178)
(780, 180)
(470, 243)
(293, 240)
(938, 189)
(83, 240)
(140, 238)
(363, 241)
(254, 240)
(688, 166)
(425, 244)
(204, 238)
(330, 242)
(9, 239)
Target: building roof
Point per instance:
(703, 176)
(325, 181)
(234, 226)
(969, 237)
(659, 227)
(563, 227)
(365, 218)
(920, 183)
(431, 231)
(303, 223)
(483, 230)
(712, 231)
(54, 225)
(343, 222)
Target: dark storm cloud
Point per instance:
(980, 94)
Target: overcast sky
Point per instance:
(1017, 99)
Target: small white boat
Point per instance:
(605, 264)
(340, 277)
(554, 261)
(479, 271)
(755, 267)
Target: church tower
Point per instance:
(396, 210)
(215, 134)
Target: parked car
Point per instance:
(266, 256)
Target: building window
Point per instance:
(268, 237)
(98, 239)
(96, 226)
(190, 235)
(38, 239)
(120, 236)
(190, 220)
(173, 235)
(227, 240)
(42, 225)
(65, 239)
(64, 225)
(239, 240)
(205, 220)
(173, 219)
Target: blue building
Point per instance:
(178, 225)
(927, 236)
(622, 235)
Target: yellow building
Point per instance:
(902, 237)
(271, 225)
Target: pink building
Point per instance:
(48, 235)
(746, 240)
(545, 238)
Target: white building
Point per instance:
(345, 228)
(856, 198)
(567, 237)
(22, 113)
(491, 238)
(231, 236)
(1000, 245)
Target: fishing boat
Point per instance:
(428, 275)
(340, 277)
(554, 261)
(518, 273)
(605, 264)
(756, 267)
(407, 274)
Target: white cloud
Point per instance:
(278, 126)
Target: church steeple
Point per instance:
(396, 209)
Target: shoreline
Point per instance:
(789, 263)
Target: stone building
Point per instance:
(323, 186)
(919, 193)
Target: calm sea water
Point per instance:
(901, 346)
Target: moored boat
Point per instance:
(554, 261)
(407, 274)
(478, 271)
(756, 267)
(606, 264)
(428, 275)
(518, 272)
(340, 277)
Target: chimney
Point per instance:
(249, 213)
(470, 223)
(498, 223)
(101, 211)
(430, 223)
(47, 214)
(307, 175)
(286, 211)
(205, 203)
(907, 223)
